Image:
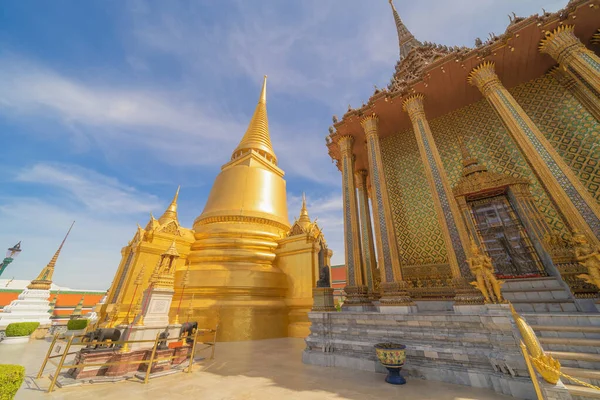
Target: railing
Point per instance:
(124, 343)
(535, 356)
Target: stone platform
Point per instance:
(479, 350)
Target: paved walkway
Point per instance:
(257, 370)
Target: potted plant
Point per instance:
(19, 332)
(392, 356)
(11, 378)
(76, 327)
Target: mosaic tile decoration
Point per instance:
(487, 139)
(571, 130)
(420, 238)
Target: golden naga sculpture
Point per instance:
(588, 257)
(547, 366)
(485, 280)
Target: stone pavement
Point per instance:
(256, 370)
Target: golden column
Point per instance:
(579, 90)
(356, 290)
(393, 288)
(368, 248)
(572, 55)
(455, 232)
(579, 209)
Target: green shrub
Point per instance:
(77, 324)
(11, 378)
(21, 328)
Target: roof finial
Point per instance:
(170, 213)
(406, 40)
(304, 219)
(257, 135)
(44, 279)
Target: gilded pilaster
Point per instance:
(368, 248)
(579, 90)
(579, 209)
(566, 48)
(455, 233)
(393, 288)
(356, 290)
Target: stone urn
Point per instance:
(392, 356)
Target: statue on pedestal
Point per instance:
(324, 277)
(589, 258)
(483, 271)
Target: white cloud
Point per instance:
(172, 127)
(105, 210)
(97, 192)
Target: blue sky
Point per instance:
(107, 106)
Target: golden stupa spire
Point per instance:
(170, 213)
(44, 279)
(406, 40)
(257, 135)
(304, 219)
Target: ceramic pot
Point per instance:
(392, 356)
(15, 339)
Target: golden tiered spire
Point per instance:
(44, 279)
(405, 39)
(257, 135)
(304, 219)
(170, 213)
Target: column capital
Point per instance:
(370, 124)
(413, 105)
(361, 178)
(560, 43)
(345, 143)
(562, 77)
(484, 77)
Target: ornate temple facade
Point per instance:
(242, 266)
(492, 149)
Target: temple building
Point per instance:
(496, 145)
(242, 266)
(481, 168)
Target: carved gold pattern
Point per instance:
(419, 235)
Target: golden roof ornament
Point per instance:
(257, 135)
(44, 279)
(406, 40)
(170, 213)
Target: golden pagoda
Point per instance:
(249, 270)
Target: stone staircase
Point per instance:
(539, 295)
(573, 339)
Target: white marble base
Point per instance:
(158, 303)
(146, 333)
(32, 305)
(470, 309)
(397, 309)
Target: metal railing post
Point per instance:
(193, 351)
(60, 364)
(151, 359)
(41, 371)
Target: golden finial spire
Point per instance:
(170, 213)
(257, 135)
(405, 39)
(44, 279)
(304, 219)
